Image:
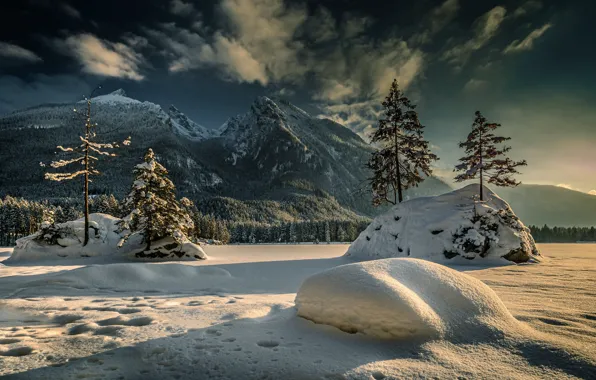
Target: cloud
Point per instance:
(474, 85)
(565, 186)
(592, 192)
(485, 28)
(271, 42)
(353, 26)
(528, 42)
(102, 57)
(70, 10)
(267, 29)
(181, 8)
(279, 44)
(527, 7)
(437, 20)
(14, 52)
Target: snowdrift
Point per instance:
(447, 226)
(65, 240)
(137, 276)
(401, 299)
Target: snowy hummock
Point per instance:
(448, 226)
(103, 243)
(400, 298)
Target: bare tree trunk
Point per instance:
(481, 179)
(399, 192)
(87, 137)
(148, 229)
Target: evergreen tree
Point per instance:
(327, 233)
(84, 155)
(156, 213)
(484, 158)
(403, 156)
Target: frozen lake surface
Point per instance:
(233, 316)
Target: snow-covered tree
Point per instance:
(403, 155)
(156, 213)
(484, 158)
(86, 155)
(327, 233)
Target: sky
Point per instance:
(526, 64)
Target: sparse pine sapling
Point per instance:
(86, 156)
(403, 157)
(485, 159)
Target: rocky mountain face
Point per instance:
(275, 160)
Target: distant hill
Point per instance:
(552, 205)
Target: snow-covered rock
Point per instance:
(400, 299)
(446, 227)
(65, 240)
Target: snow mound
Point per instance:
(140, 276)
(447, 226)
(400, 299)
(65, 240)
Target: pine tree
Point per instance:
(84, 156)
(327, 233)
(484, 158)
(156, 213)
(403, 156)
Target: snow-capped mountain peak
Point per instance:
(116, 97)
(184, 126)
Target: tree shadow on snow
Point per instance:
(277, 345)
(270, 277)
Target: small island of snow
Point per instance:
(65, 240)
(448, 226)
(402, 299)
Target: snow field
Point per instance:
(245, 325)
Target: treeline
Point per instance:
(20, 217)
(546, 234)
(298, 232)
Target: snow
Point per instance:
(453, 227)
(400, 298)
(184, 320)
(183, 126)
(114, 98)
(104, 239)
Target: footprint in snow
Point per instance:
(267, 343)
(81, 329)
(108, 330)
(66, 318)
(19, 351)
(9, 341)
(119, 321)
(129, 311)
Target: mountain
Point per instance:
(275, 162)
(552, 205)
